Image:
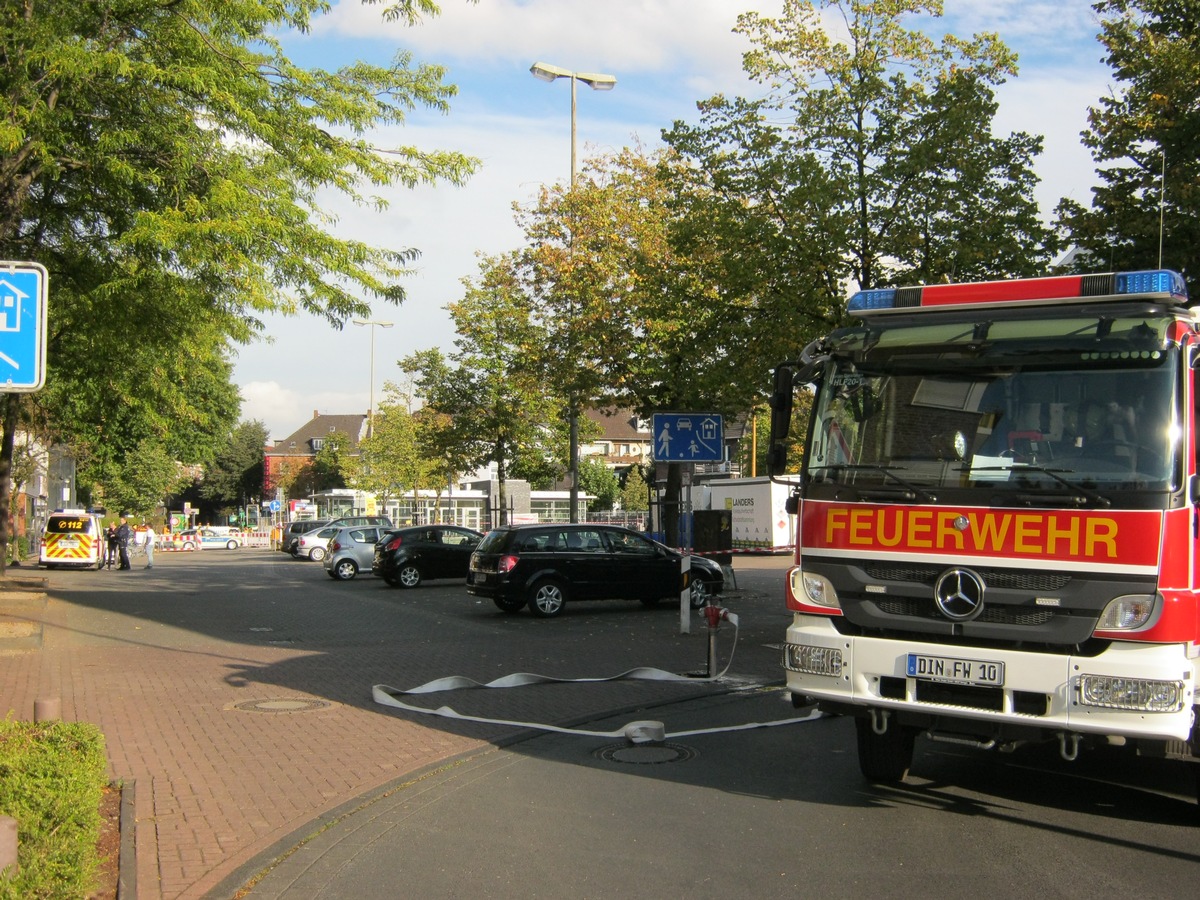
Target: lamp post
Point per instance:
(597, 82)
(371, 410)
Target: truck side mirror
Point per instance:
(782, 397)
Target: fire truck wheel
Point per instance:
(886, 757)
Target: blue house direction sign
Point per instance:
(688, 437)
(22, 327)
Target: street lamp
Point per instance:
(596, 82)
(371, 409)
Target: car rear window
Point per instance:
(494, 541)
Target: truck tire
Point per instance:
(884, 758)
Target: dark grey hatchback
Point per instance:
(545, 566)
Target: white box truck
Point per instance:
(760, 520)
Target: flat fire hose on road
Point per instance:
(636, 732)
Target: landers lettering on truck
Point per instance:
(998, 517)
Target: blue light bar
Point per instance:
(1054, 289)
(884, 298)
(1151, 281)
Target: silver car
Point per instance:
(312, 544)
(351, 550)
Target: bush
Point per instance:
(52, 775)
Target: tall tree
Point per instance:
(491, 390)
(1151, 124)
(235, 477)
(870, 160)
(166, 163)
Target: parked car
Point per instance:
(312, 544)
(293, 530)
(199, 538)
(407, 556)
(351, 550)
(545, 566)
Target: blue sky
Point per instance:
(666, 55)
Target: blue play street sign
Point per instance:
(688, 437)
(23, 288)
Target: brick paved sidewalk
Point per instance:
(226, 763)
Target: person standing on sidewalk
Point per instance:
(124, 533)
(151, 537)
(110, 541)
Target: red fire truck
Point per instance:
(998, 535)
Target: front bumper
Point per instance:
(1039, 690)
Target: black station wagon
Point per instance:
(546, 566)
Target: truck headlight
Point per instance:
(1142, 694)
(813, 660)
(815, 589)
(1127, 613)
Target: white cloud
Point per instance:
(614, 36)
(666, 55)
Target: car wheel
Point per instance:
(345, 569)
(409, 576)
(508, 606)
(702, 594)
(316, 554)
(547, 598)
(232, 545)
(188, 545)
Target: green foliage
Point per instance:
(398, 455)
(490, 394)
(51, 779)
(167, 164)
(635, 495)
(144, 479)
(236, 474)
(600, 481)
(1152, 120)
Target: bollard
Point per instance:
(47, 709)
(8, 847)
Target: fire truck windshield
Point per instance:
(1084, 410)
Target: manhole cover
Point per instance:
(646, 754)
(281, 706)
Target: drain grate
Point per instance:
(282, 705)
(646, 754)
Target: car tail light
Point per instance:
(335, 546)
(506, 564)
(394, 544)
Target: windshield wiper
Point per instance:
(916, 492)
(1087, 493)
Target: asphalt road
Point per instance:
(760, 812)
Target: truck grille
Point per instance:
(1010, 579)
(997, 615)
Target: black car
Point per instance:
(545, 566)
(407, 556)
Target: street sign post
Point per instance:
(23, 292)
(688, 437)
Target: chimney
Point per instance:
(316, 413)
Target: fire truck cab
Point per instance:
(998, 535)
